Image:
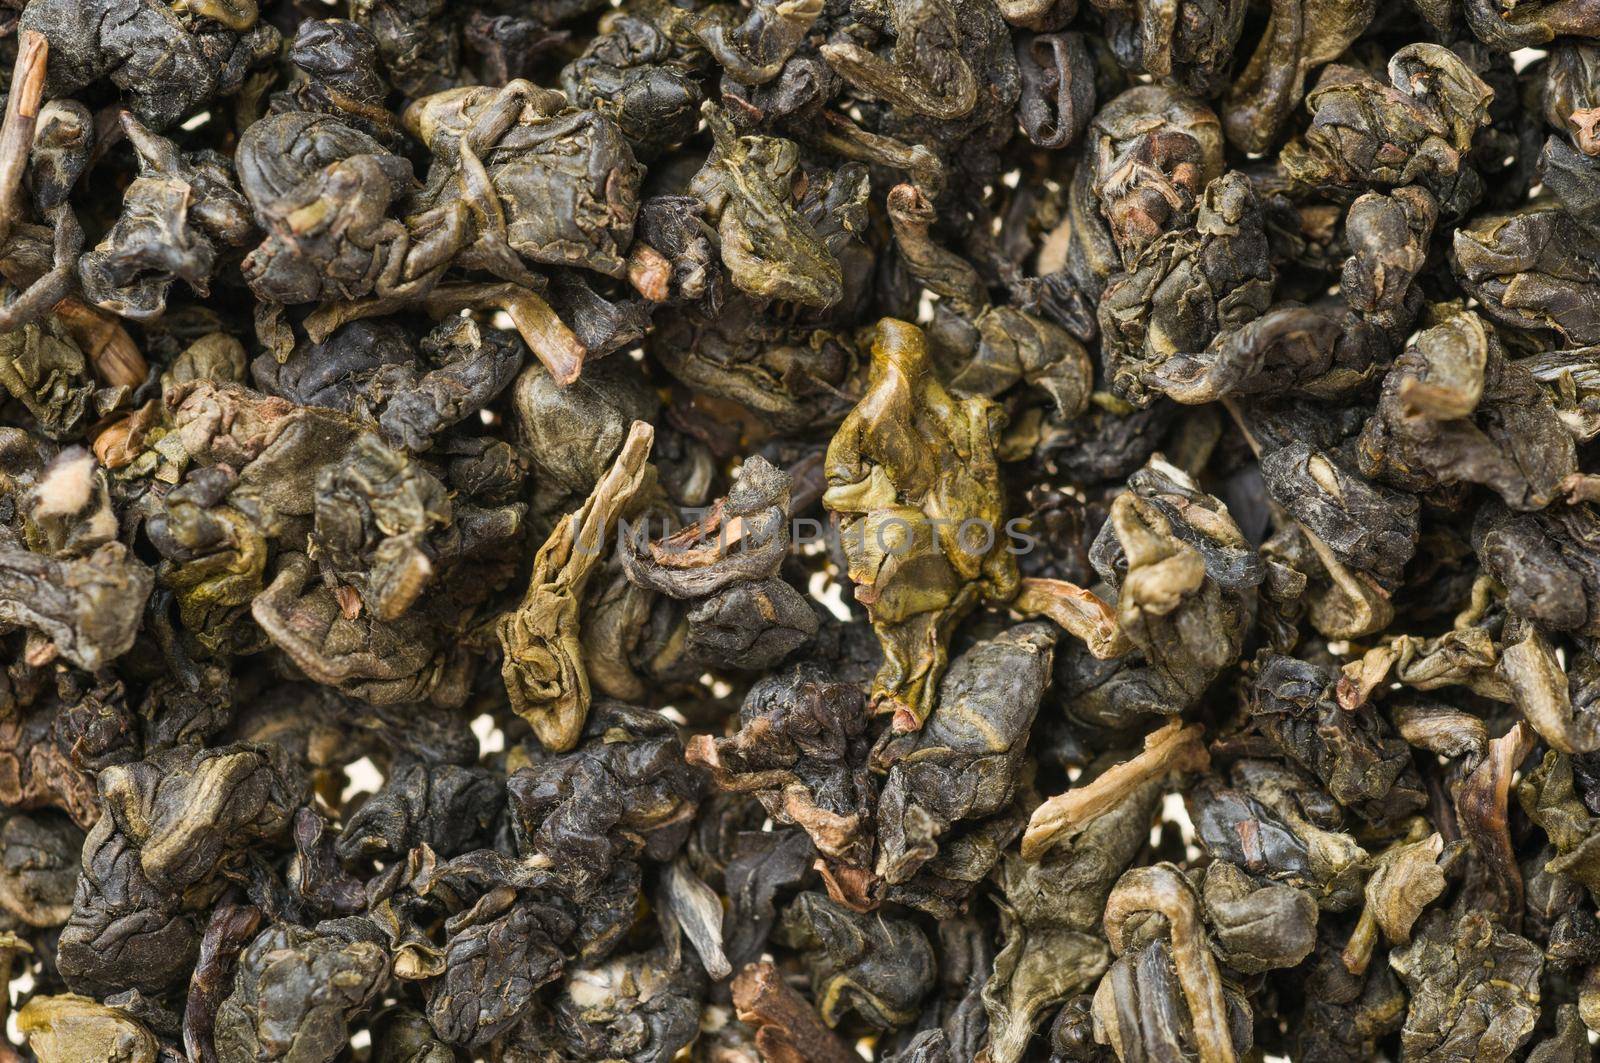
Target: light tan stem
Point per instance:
(1078, 612)
(1174, 747)
(1161, 889)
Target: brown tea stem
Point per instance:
(22, 114)
(111, 350)
(788, 1029)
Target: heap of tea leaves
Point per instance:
(784, 531)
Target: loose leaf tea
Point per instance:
(683, 531)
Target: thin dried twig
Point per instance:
(1170, 748)
(535, 320)
(1079, 612)
(22, 114)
